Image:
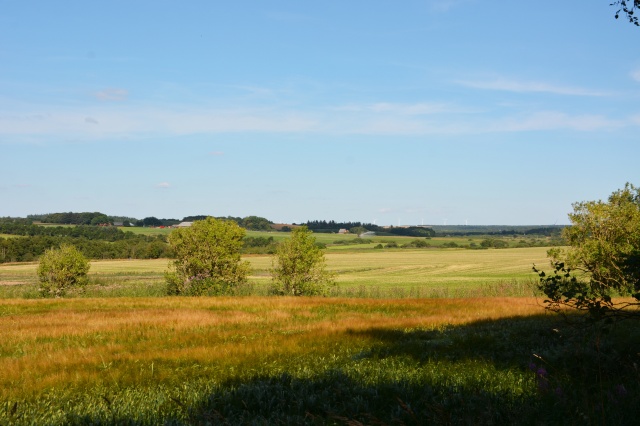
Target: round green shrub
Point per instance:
(60, 269)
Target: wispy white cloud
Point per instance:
(529, 87)
(132, 122)
(217, 153)
(112, 94)
(554, 120)
(635, 74)
(163, 185)
(420, 108)
(146, 121)
(254, 90)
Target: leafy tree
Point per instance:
(98, 220)
(495, 243)
(207, 259)
(151, 221)
(412, 231)
(256, 223)
(358, 230)
(61, 269)
(604, 242)
(299, 267)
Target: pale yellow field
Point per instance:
(425, 269)
(430, 268)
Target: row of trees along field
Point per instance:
(323, 226)
(253, 223)
(95, 242)
(104, 242)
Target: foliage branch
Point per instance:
(627, 8)
(604, 249)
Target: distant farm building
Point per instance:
(343, 231)
(183, 225)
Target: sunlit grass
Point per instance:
(276, 360)
(375, 273)
(89, 342)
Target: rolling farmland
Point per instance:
(409, 336)
(372, 273)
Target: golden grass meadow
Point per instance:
(432, 336)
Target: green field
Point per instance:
(364, 273)
(330, 239)
(146, 231)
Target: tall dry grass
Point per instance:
(132, 342)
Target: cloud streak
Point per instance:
(420, 108)
(383, 118)
(112, 94)
(528, 87)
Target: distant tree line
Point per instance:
(27, 249)
(94, 242)
(26, 229)
(322, 226)
(468, 231)
(327, 227)
(252, 223)
(85, 218)
(410, 231)
(97, 242)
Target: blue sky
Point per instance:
(403, 112)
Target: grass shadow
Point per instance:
(520, 371)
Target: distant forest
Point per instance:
(95, 242)
(323, 226)
(96, 239)
(253, 223)
(471, 230)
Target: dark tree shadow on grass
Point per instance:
(571, 377)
